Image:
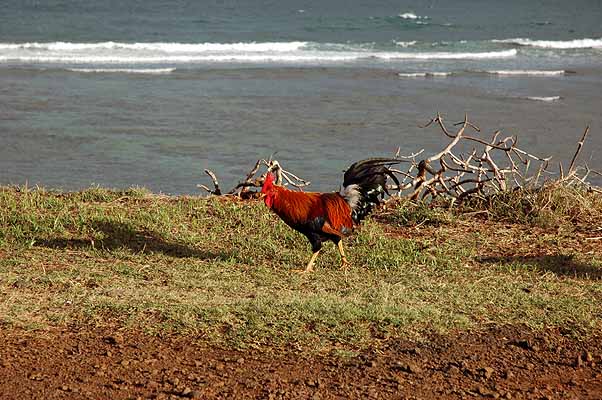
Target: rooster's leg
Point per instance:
(344, 262)
(310, 264)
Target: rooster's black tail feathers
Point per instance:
(365, 184)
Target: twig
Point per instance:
(216, 191)
(579, 146)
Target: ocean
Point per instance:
(150, 93)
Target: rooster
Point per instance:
(331, 216)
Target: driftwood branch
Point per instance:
(254, 179)
(494, 165)
(216, 190)
(579, 146)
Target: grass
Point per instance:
(221, 270)
(552, 205)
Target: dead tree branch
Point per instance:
(579, 146)
(216, 190)
(254, 178)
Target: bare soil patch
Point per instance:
(506, 362)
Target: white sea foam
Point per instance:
(405, 44)
(159, 46)
(546, 99)
(555, 44)
(527, 73)
(438, 74)
(308, 57)
(410, 15)
(411, 74)
(449, 55)
(424, 74)
(151, 71)
(177, 53)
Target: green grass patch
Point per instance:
(223, 270)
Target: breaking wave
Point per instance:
(151, 71)
(500, 73)
(405, 44)
(545, 99)
(554, 44)
(528, 73)
(424, 74)
(109, 53)
(449, 55)
(158, 46)
(412, 16)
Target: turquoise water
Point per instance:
(151, 93)
(334, 21)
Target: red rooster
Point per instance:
(330, 216)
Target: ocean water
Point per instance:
(149, 93)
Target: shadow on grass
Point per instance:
(118, 235)
(559, 264)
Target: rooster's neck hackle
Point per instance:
(268, 189)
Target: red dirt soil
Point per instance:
(509, 362)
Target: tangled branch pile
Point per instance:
(489, 166)
(255, 179)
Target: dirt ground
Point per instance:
(507, 363)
